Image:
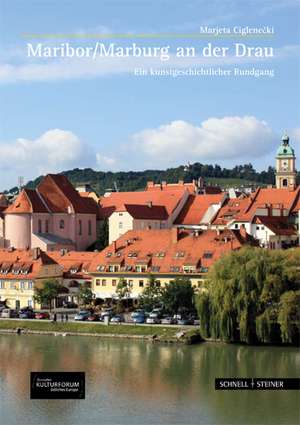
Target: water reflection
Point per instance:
(137, 382)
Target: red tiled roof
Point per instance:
(278, 225)
(23, 260)
(163, 252)
(27, 201)
(268, 197)
(116, 200)
(73, 259)
(231, 209)
(60, 195)
(54, 194)
(145, 212)
(195, 208)
(191, 187)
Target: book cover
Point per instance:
(149, 212)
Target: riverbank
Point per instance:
(166, 334)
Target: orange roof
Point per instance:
(268, 198)
(195, 208)
(191, 187)
(28, 201)
(168, 250)
(74, 264)
(54, 194)
(22, 261)
(231, 209)
(278, 225)
(117, 200)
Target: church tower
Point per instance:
(285, 165)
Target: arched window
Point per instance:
(284, 182)
(62, 224)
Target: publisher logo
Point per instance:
(257, 384)
(57, 385)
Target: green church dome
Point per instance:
(285, 149)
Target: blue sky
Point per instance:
(57, 114)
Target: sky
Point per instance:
(61, 113)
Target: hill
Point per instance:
(240, 175)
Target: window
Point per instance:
(236, 226)
(100, 268)
(40, 226)
(13, 285)
(61, 224)
(114, 282)
(120, 225)
(90, 227)
(2, 286)
(47, 226)
(103, 282)
(29, 303)
(79, 227)
(207, 254)
(22, 285)
(120, 214)
(130, 283)
(174, 269)
(157, 283)
(97, 282)
(155, 268)
(30, 285)
(141, 283)
(257, 227)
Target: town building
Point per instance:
(166, 254)
(21, 272)
(270, 215)
(52, 217)
(75, 267)
(154, 209)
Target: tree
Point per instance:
(123, 291)
(289, 316)
(85, 295)
(178, 296)
(151, 296)
(252, 297)
(47, 293)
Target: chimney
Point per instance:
(175, 234)
(114, 247)
(149, 204)
(150, 184)
(36, 253)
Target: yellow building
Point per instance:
(165, 254)
(21, 272)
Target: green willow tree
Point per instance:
(252, 297)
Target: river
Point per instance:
(136, 382)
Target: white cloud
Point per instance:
(55, 150)
(104, 161)
(214, 139)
